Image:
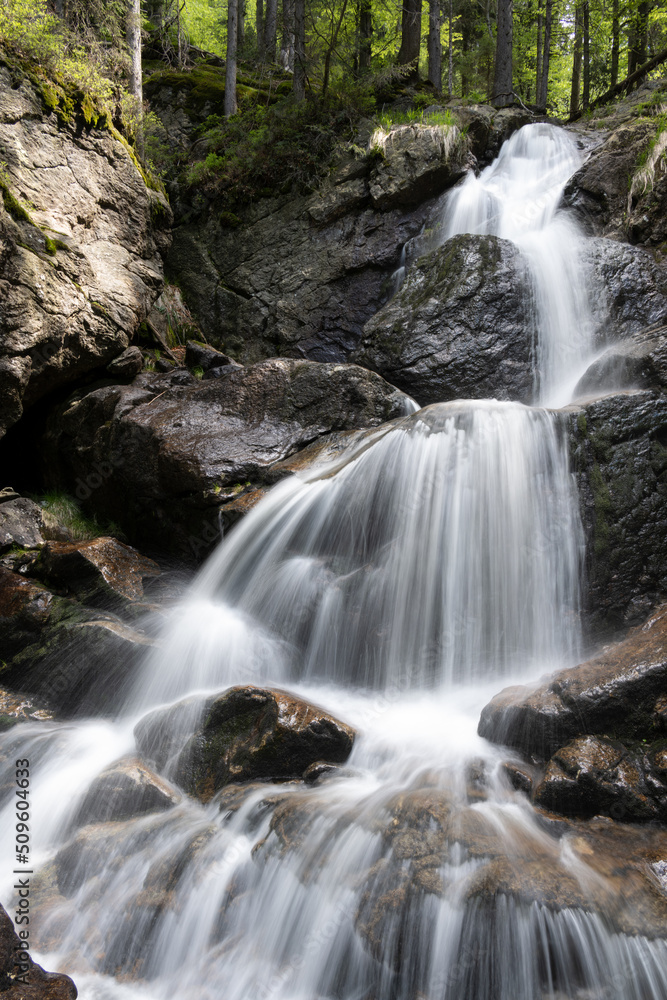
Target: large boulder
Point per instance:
(244, 734)
(621, 189)
(125, 789)
(415, 162)
(98, 571)
(164, 455)
(75, 659)
(618, 694)
(462, 325)
(81, 236)
(594, 776)
(619, 455)
(20, 977)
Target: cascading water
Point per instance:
(517, 198)
(399, 587)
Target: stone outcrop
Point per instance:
(126, 789)
(619, 455)
(637, 362)
(244, 734)
(164, 455)
(618, 694)
(100, 571)
(23, 979)
(81, 235)
(613, 192)
(462, 325)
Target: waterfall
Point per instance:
(400, 587)
(517, 198)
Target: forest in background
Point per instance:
(295, 77)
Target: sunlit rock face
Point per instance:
(81, 262)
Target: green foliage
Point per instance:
(68, 512)
(264, 149)
(11, 202)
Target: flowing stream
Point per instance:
(400, 588)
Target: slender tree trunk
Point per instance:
(270, 30)
(435, 44)
(259, 28)
(543, 93)
(299, 78)
(230, 58)
(586, 98)
(287, 36)
(502, 81)
(179, 36)
(365, 35)
(240, 27)
(335, 31)
(538, 60)
(638, 38)
(450, 51)
(615, 43)
(411, 32)
(134, 45)
(576, 64)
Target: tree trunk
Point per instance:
(365, 35)
(230, 58)
(576, 64)
(638, 39)
(543, 93)
(502, 80)
(287, 37)
(411, 32)
(450, 51)
(299, 78)
(240, 28)
(134, 45)
(538, 60)
(435, 45)
(615, 43)
(270, 30)
(586, 99)
(259, 28)
(335, 30)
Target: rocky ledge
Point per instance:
(81, 267)
(172, 458)
(600, 728)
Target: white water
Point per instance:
(517, 199)
(399, 588)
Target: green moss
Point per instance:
(51, 246)
(582, 423)
(602, 505)
(12, 204)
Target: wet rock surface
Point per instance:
(616, 694)
(460, 327)
(608, 192)
(23, 979)
(100, 571)
(637, 362)
(82, 266)
(463, 326)
(126, 789)
(244, 734)
(169, 452)
(619, 456)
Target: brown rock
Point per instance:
(126, 789)
(100, 569)
(37, 984)
(244, 734)
(614, 694)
